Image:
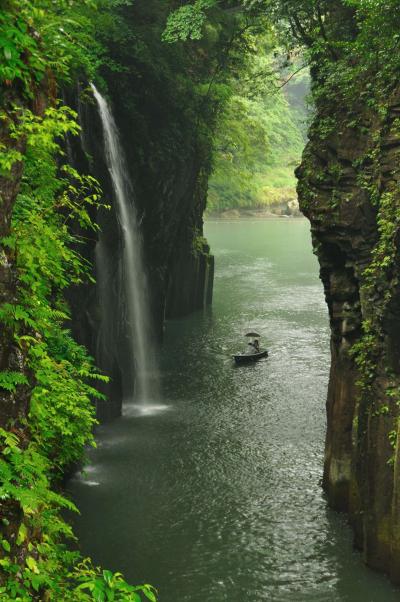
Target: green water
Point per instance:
(212, 493)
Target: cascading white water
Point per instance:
(141, 339)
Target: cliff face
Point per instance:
(190, 276)
(165, 127)
(168, 158)
(170, 199)
(171, 189)
(348, 187)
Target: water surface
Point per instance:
(213, 492)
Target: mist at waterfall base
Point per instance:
(135, 318)
(219, 496)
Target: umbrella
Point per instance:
(253, 335)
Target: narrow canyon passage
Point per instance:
(214, 492)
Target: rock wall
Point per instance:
(190, 277)
(348, 188)
(170, 197)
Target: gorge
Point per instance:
(81, 176)
(217, 494)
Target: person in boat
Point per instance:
(254, 347)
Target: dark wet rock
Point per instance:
(361, 476)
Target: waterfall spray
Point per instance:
(141, 339)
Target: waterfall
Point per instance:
(135, 287)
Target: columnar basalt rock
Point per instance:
(348, 188)
(190, 270)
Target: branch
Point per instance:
(292, 75)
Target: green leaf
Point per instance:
(108, 577)
(32, 564)
(147, 590)
(6, 545)
(10, 380)
(22, 534)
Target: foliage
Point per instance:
(378, 279)
(24, 475)
(40, 42)
(258, 144)
(61, 410)
(45, 572)
(260, 122)
(186, 23)
(47, 262)
(15, 44)
(105, 585)
(42, 35)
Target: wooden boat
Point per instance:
(256, 352)
(247, 358)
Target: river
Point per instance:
(212, 493)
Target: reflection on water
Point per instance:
(214, 493)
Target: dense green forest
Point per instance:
(260, 135)
(209, 74)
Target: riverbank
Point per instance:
(284, 210)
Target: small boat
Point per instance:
(246, 358)
(254, 354)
